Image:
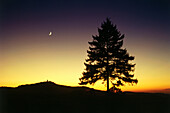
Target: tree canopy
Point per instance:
(107, 60)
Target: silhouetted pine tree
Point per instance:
(107, 61)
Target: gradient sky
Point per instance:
(29, 55)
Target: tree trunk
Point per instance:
(107, 67)
(108, 90)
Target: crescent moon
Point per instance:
(50, 33)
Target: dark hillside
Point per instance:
(48, 97)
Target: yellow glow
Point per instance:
(27, 62)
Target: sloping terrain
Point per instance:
(48, 97)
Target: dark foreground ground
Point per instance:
(47, 97)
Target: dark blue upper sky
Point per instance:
(152, 12)
(141, 17)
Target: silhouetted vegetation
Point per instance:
(107, 60)
(48, 97)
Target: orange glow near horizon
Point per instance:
(64, 66)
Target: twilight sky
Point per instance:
(29, 55)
